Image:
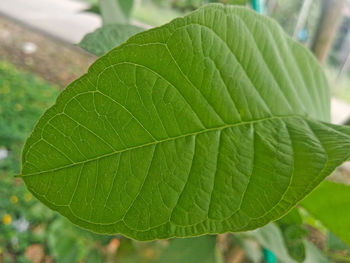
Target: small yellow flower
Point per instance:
(27, 197)
(149, 253)
(7, 219)
(5, 89)
(0, 251)
(14, 199)
(18, 107)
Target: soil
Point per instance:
(53, 60)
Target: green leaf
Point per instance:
(115, 11)
(126, 6)
(329, 203)
(62, 242)
(194, 250)
(313, 254)
(337, 249)
(250, 246)
(293, 236)
(292, 218)
(271, 238)
(234, 2)
(293, 233)
(209, 124)
(335, 243)
(107, 37)
(94, 256)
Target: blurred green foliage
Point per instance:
(22, 100)
(25, 221)
(293, 232)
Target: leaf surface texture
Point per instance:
(212, 123)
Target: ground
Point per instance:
(53, 60)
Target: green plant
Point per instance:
(216, 122)
(333, 198)
(22, 98)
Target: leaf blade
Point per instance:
(190, 145)
(333, 198)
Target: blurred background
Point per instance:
(40, 55)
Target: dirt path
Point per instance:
(55, 61)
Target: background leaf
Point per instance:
(335, 243)
(194, 250)
(270, 237)
(235, 2)
(250, 246)
(329, 203)
(293, 233)
(115, 11)
(62, 243)
(313, 254)
(209, 124)
(107, 37)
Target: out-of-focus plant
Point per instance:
(24, 222)
(22, 100)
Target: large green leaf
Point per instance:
(211, 123)
(107, 37)
(330, 204)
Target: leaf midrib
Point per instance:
(162, 141)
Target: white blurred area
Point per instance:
(340, 111)
(64, 19)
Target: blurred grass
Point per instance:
(26, 225)
(23, 98)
